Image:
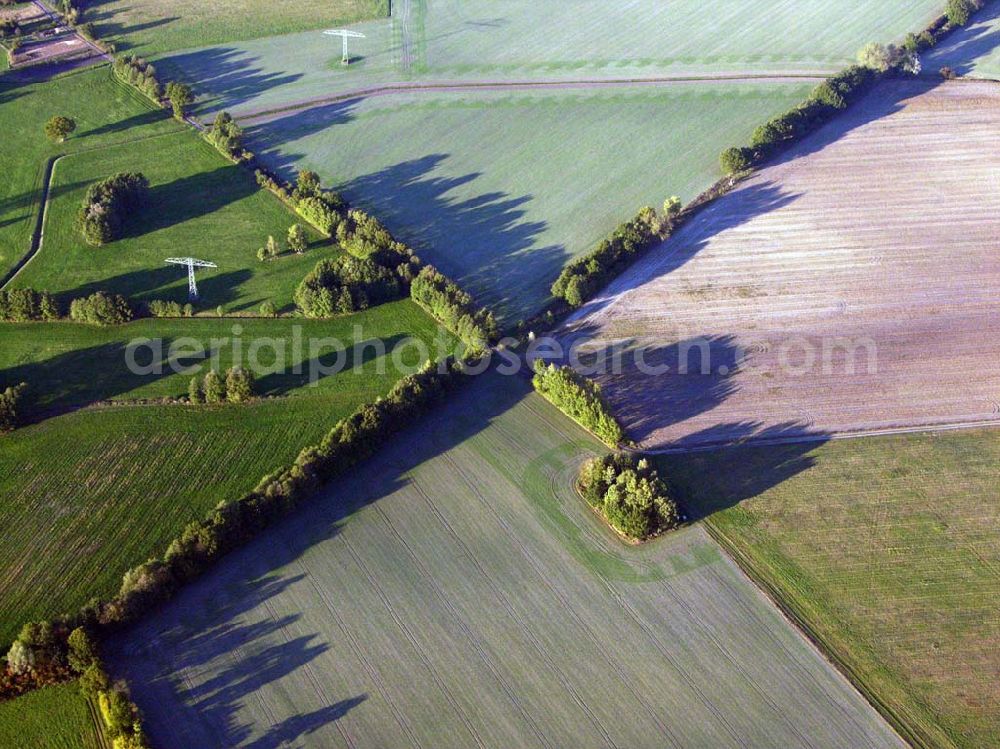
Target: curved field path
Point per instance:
(879, 236)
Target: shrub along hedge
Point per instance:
(443, 299)
(579, 398)
(584, 277)
(629, 494)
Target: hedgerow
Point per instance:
(22, 305)
(454, 308)
(139, 74)
(579, 398)
(101, 308)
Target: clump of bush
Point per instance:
(22, 305)
(959, 12)
(579, 398)
(630, 495)
(227, 136)
(238, 386)
(338, 286)
(107, 204)
(101, 308)
(454, 308)
(584, 277)
(139, 74)
(10, 414)
(161, 308)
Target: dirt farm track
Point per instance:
(852, 286)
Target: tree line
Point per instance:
(579, 398)
(630, 495)
(444, 300)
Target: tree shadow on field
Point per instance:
(711, 479)
(167, 283)
(79, 377)
(268, 136)
(964, 47)
(740, 207)
(227, 75)
(106, 27)
(137, 120)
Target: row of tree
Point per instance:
(108, 203)
(629, 493)
(140, 74)
(24, 305)
(585, 276)
(579, 398)
(101, 308)
(238, 386)
(443, 299)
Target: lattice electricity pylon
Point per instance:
(191, 264)
(345, 35)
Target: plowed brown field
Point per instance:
(880, 234)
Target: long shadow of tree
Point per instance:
(964, 47)
(167, 282)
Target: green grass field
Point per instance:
(448, 40)
(501, 189)
(89, 494)
(457, 592)
(887, 551)
(105, 114)
(52, 718)
(153, 26)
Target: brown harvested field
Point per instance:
(883, 230)
(23, 14)
(54, 48)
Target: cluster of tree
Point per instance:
(238, 386)
(160, 308)
(58, 128)
(454, 308)
(22, 305)
(180, 97)
(139, 74)
(630, 495)
(579, 398)
(10, 400)
(232, 524)
(296, 240)
(960, 12)
(101, 308)
(107, 204)
(50, 652)
(584, 277)
(323, 209)
(227, 136)
(339, 286)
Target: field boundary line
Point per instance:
(909, 733)
(528, 85)
(806, 438)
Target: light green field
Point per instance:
(457, 592)
(87, 495)
(501, 189)
(55, 717)
(105, 113)
(149, 27)
(973, 51)
(448, 40)
(887, 551)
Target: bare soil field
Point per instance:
(457, 592)
(55, 48)
(23, 14)
(849, 287)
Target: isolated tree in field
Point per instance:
(269, 250)
(297, 240)
(20, 658)
(9, 412)
(875, 56)
(214, 387)
(239, 385)
(267, 309)
(58, 127)
(220, 311)
(180, 97)
(194, 391)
